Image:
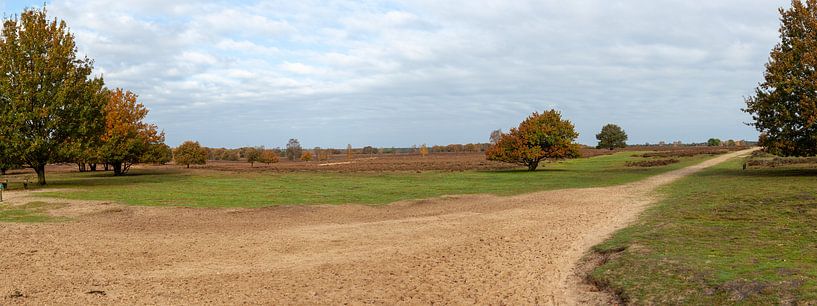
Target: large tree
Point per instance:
(540, 136)
(44, 89)
(784, 106)
(127, 138)
(611, 136)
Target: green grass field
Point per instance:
(30, 212)
(722, 236)
(226, 189)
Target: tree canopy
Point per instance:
(48, 98)
(127, 138)
(190, 153)
(539, 137)
(611, 136)
(784, 105)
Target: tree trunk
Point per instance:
(533, 165)
(117, 168)
(3, 171)
(105, 166)
(92, 166)
(40, 169)
(188, 166)
(81, 167)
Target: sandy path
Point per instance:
(455, 250)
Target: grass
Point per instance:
(225, 189)
(722, 236)
(29, 213)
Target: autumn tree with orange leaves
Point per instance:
(540, 136)
(127, 138)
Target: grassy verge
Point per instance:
(721, 236)
(224, 189)
(29, 213)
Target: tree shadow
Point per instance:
(99, 179)
(524, 171)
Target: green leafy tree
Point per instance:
(784, 105)
(713, 142)
(539, 137)
(611, 136)
(45, 90)
(190, 153)
(7, 159)
(158, 153)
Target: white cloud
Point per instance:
(372, 70)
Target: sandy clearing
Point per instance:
(454, 250)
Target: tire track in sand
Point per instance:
(452, 250)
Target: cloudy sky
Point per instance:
(397, 73)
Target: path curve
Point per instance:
(456, 250)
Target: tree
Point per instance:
(540, 136)
(349, 152)
(611, 137)
(369, 150)
(306, 156)
(253, 155)
(423, 150)
(7, 159)
(127, 138)
(784, 105)
(268, 157)
(190, 153)
(293, 149)
(730, 143)
(158, 153)
(495, 136)
(713, 142)
(44, 90)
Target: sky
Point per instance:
(400, 73)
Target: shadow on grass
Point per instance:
(540, 170)
(77, 179)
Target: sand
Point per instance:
(451, 250)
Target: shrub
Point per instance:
(190, 153)
(652, 162)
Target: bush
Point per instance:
(652, 163)
(190, 153)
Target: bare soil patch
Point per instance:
(454, 249)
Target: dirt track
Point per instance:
(454, 250)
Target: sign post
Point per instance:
(2, 186)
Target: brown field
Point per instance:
(458, 250)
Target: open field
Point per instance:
(456, 249)
(166, 186)
(722, 236)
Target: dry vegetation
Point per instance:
(652, 162)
